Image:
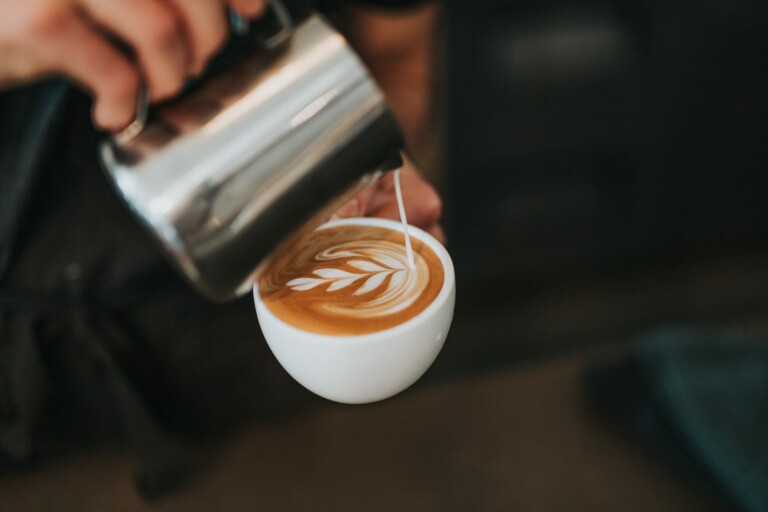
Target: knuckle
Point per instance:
(212, 42)
(218, 38)
(164, 86)
(42, 20)
(433, 207)
(163, 29)
(438, 208)
(258, 6)
(107, 117)
(250, 7)
(122, 84)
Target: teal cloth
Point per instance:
(702, 398)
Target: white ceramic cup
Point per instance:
(367, 367)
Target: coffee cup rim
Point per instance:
(372, 337)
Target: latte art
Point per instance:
(378, 272)
(351, 280)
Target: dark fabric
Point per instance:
(30, 117)
(386, 4)
(702, 399)
(99, 338)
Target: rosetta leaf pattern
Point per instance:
(372, 275)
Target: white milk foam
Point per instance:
(380, 271)
(403, 220)
(397, 278)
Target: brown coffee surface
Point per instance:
(350, 280)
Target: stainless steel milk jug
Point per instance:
(256, 153)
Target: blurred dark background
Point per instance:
(605, 170)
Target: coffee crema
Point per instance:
(351, 279)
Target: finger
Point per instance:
(350, 209)
(427, 206)
(437, 232)
(390, 210)
(423, 206)
(357, 206)
(154, 31)
(206, 29)
(99, 67)
(249, 8)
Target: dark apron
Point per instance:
(100, 339)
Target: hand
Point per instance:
(422, 203)
(398, 49)
(111, 46)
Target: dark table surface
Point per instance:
(517, 438)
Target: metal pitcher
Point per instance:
(256, 153)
